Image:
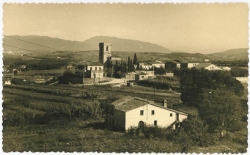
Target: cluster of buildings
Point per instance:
(176, 64)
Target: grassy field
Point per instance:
(44, 118)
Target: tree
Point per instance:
(160, 70)
(219, 109)
(135, 62)
(194, 82)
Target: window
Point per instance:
(96, 68)
(142, 76)
(155, 123)
(171, 114)
(141, 112)
(107, 48)
(100, 68)
(152, 112)
(90, 68)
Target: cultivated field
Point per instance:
(70, 118)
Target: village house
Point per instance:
(136, 112)
(192, 64)
(208, 66)
(225, 68)
(90, 70)
(141, 76)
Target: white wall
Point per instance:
(190, 65)
(162, 116)
(182, 117)
(242, 79)
(212, 67)
(159, 65)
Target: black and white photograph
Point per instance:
(125, 77)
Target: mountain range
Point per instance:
(118, 44)
(44, 43)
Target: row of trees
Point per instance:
(119, 69)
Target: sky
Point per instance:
(194, 28)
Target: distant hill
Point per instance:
(118, 44)
(232, 54)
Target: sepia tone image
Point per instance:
(169, 78)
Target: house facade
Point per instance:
(90, 70)
(137, 112)
(141, 76)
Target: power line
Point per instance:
(32, 43)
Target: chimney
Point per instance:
(165, 103)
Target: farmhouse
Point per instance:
(208, 66)
(134, 111)
(90, 70)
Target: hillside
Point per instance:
(232, 54)
(118, 44)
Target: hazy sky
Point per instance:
(202, 28)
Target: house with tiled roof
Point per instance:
(137, 112)
(90, 69)
(207, 66)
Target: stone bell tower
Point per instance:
(104, 52)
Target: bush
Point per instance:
(237, 126)
(155, 84)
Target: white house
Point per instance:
(134, 111)
(208, 66)
(226, 68)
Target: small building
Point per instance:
(136, 112)
(225, 68)
(141, 76)
(208, 66)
